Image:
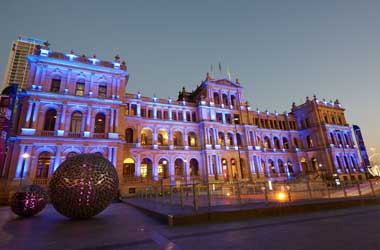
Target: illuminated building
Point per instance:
(77, 104)
(17, 68)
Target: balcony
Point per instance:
(74, 134)
(41, 181)
(99, 135)
(47, 133)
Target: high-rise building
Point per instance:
(17, 69)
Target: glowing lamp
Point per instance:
(25, 155)
(281, 196)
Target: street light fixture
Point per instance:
(24, 157)
(236, 119)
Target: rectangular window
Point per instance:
(102, 91)
(55, 85)
(174, 115)
(79, 89)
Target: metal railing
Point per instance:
(198, 195)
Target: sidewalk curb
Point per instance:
(280, 209)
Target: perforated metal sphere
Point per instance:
(29, 200)
(83, 186)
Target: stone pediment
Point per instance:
(226, 82)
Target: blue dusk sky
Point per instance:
(282, 51)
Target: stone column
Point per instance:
(29, 113)
(138, 109)
(88, 120)
(170, 114)
(154, 112)
(187, 171)
(111, 128)
(35, 114)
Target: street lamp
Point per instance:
(24, 157)
(236, 119)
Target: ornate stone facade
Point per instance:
(76, 104)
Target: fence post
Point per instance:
(195, 203)
(181, 195)
(289, 195)
(208, 195)
(359, 190)
(309, 189)
(372, 189)
(328, 191)
(171, 194)
(265, 192)
(238, 192)
(344, 190)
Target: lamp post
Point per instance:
(345, 157)
(24, 157)
(236, 119)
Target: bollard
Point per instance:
(359, 190)
(328, 191)
(238, 193)
(344, 190)
(195, 202)
(289, 196)
(208, 196)
(372, 189)
(309, 190)
(171, 194)
(265, 193)
(181, 195)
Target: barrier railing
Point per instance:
(198, 195)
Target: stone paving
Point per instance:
(123, 227)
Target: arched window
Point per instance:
(225, 99)
(271, 166)
(234, 168)
(230, 139)
(76, 122)
(100, 123)
(146, 168)
(194, 167)
(129, 135)
(225, 169)
(163, 168)
(79, 87)
(281, 167)
(285, 142)
(50, 118)
(177, 138)
(146, 136)
(239, 139)
(192, 139)
(55, 85)
(340, 139)
(290, 167)
(276, 143)
(304, 165)
(315, 164)
(339, 166)
(346, 139)
(71, 154)
(233, 100)
(129, 167)
(295, 142)
(309, 141)
(332, 138)
(216, 98)
(221, 139)
(43, 165)
(353, 162)
(267, 143)
(179, 167)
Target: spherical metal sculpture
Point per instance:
(29, 200)
(83, 186)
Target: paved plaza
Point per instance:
(123, 227)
